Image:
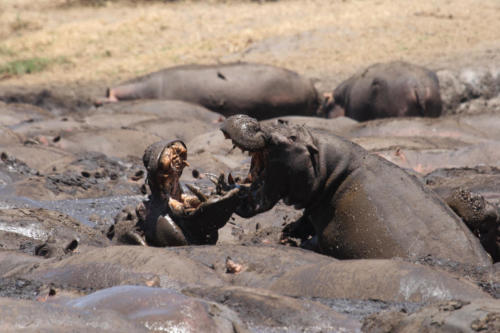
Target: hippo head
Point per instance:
(173, 217)
(284, 163)
(52, 248)
(165, 161)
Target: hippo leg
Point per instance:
(302, 228)
(168, 233)
(128, 91)
(110, 98)
(111, 95)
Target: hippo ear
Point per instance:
(278, 139)
(314, 155)
(313, 150)
(306, 138)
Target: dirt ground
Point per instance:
(85, 47)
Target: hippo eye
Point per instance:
(293, 138)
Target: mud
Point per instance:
(81, 192)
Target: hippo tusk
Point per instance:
(197, 191)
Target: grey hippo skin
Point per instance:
(359, 205)
(258, 90)
(394, 89)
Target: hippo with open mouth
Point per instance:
(172, 217)
(356, 205)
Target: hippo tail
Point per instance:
(420, 98)
(428, 101)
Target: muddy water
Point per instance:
(87, 211)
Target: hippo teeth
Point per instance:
(257, 167)
(248, 179)
(230, 179)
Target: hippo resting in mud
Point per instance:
(171, 217)
(258, 90)
(358, 205)
(394, 89)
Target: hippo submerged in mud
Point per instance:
(394, 89)
(258, 90)
(171, 217)
(357, 205)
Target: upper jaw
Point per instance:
(244, 132)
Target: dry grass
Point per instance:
(28, 66)
(317, 37)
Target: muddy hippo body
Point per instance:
(376, 210)
(359, 205)
(260, 91)
(395, 89)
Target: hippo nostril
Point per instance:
(71, 246)
(111, 232)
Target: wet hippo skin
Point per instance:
(394, 89)
(387, 280)
(358, 205)
(261, 91)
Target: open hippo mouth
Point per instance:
(257, 172)
(245, 134)
(165, 163)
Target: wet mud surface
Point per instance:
(52, 194)
(62, 187)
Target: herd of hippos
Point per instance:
(366, 233)
(395, 89)
(356, 205)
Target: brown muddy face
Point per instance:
(171, 163)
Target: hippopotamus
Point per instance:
(356, 204)
(172, 217)
(258, 90)
(394, 89)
